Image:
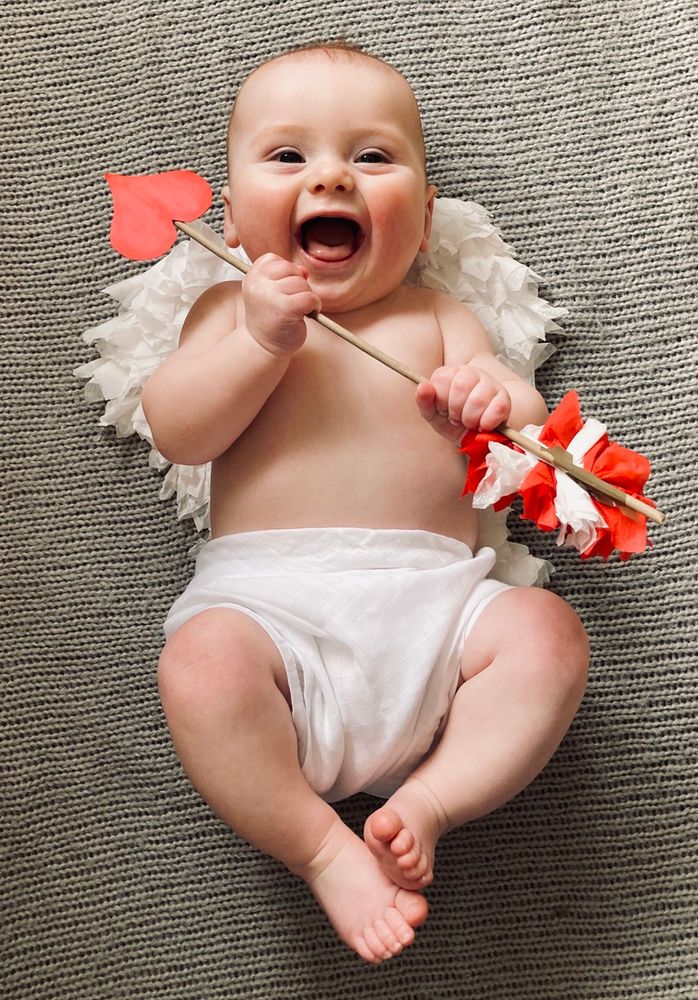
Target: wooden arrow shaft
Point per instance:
(558, 457)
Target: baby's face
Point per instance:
(327, 170)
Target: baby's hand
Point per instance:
(277, 298)
(462, 398)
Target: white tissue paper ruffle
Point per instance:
(507, 469)
(469, 260)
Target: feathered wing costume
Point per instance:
(469, 260)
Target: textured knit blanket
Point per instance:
(573, 123)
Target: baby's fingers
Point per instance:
(497, 411)
(294, 285)
(271, 266)
(305, 302)
(462, 387)
(427, 402)
(487, 402)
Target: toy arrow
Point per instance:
(149, 210)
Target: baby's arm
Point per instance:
(473, 390)
(229, 361)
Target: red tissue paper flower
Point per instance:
(617, 528)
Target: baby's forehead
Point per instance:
(271, 75)
(329, 61)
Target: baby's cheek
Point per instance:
(392, 213)
(398, 233)
(274, 235)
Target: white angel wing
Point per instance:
(153, 306)
(469, 260)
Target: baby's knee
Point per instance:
(559, 640)
(541, 633)
(211, 662)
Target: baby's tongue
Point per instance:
(329, 239)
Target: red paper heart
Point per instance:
(144, 209)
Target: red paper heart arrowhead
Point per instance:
(145, 207)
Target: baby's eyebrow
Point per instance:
(272, 131)
(378, 133)
(372, 133)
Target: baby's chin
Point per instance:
(337, 299)
(349, 292)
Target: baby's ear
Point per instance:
(429, 196)
(229, 230)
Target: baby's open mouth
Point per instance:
(329, 237)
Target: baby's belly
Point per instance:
(353, 484)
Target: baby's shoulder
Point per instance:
(215, 312)
(461, 331)
(445, 308)
(222, 295)
(422, 297)
(418, 298)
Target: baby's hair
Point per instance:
(335, 49)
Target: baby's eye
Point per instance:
(288, 156)
(371, 156)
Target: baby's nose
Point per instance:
(330, 176)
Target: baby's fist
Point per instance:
(462, 398)
(277, 299)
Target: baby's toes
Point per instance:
(399, 926)
(419, 869)
(412, 905)
(387, 936)
(360, 945)
(403, 843)
(410, 859)
(422, 881)
(384, 824)
(378, 949)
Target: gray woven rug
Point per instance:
(573, 123)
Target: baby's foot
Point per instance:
(403, 834)
(367, 909)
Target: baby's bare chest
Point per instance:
(341, 440)
(331, 377)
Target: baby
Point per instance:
(340, 633)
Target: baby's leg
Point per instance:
(523, 677)
(225, 694)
